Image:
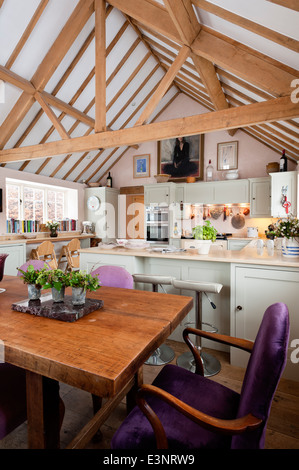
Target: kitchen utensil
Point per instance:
(238, 221)
(216, 213)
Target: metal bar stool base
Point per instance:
(211, 365)
(162, 355)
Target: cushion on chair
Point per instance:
(264, 369)
(12, 398)
(114, 276)
(136, 431)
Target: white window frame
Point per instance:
(70, 204)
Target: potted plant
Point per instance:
(30, 277)
(53, 226)
(205, 234)
(288, 230)
(81, 282)
(56, 280)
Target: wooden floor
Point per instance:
(283, 425)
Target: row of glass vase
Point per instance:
(78, 294)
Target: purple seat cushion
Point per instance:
(136, 432)
(114, 276)
(38, 264)
(12, 398)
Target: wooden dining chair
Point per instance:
(70, 254)
(46, 252)
(182, 410)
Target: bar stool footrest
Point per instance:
(211, 365)
(162, 355)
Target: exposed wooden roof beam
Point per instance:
(184, 19)
(52, 116)
(251, 26)
(61, 45)
(245, 64)
(292, 4)
(244, 116)
(36, 16)
(164, 85)
(100, 65)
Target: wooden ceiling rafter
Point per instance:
(198, 47)
(188, 27)
(249, 25)
(221, 72)
(245, 64)
(47, 67)
(244, 116)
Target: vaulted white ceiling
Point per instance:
(223, 54)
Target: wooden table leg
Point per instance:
(138, 381)
(43, 412)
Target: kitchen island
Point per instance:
(250, 284)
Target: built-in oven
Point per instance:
(157, 224)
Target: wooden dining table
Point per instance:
(102, 352)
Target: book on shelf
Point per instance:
(26, 226)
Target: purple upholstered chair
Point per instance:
(247, 413)
(114, 276)
(38, 264)
(13, 385)
(12, 398)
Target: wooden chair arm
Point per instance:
(224, 339)
(234, 426)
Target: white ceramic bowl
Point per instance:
(232, 175)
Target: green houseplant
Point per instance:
(81, 282)
(30, 278)
(288, 230)
(205, 234)
(53, 226)
(56, 280)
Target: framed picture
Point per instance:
(181, 157)
(227, 155)
(141, 166)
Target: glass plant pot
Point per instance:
(58, 295)
(78, 296)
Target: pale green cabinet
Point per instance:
(253, 289)
(260, 197)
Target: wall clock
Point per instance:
(93, 203)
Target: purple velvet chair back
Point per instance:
(264, 369)
(36, 263)
(3, 257)
(114, 276)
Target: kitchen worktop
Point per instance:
(247, 255)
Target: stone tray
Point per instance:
(64, 311)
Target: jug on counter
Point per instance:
(252, 232)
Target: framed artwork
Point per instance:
(141, 166)
(227, 155)
(181, 157)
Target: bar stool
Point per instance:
(211, 365)
(163, 354)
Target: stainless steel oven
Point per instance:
(157, 224)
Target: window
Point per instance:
(12, 201)
(33, 202)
